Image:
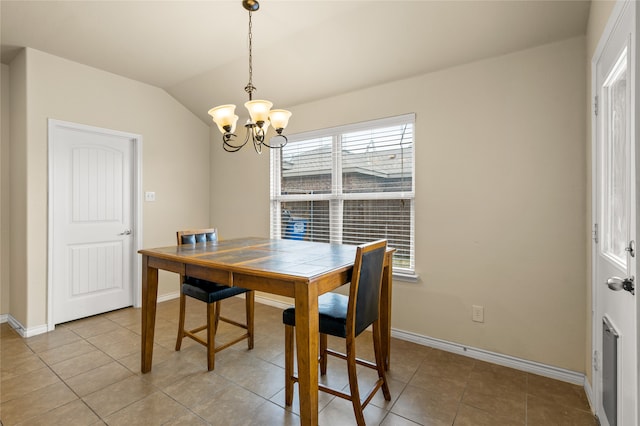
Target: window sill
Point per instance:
(410, 278)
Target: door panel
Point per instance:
(91, 218)
(615, 372)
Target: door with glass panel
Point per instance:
(615, 366)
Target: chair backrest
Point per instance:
(192, 236)
(366, 282)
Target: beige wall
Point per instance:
(500, 196)
(598, 17)
(175, 161)
(5, 259)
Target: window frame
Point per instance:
(336, 197)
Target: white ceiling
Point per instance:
(303, 49)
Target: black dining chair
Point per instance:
(211, 293)
(347, 317)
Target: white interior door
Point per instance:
(615, 370)
(91, 219)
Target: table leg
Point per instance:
(385, 311)
(149, 299)
(306, 302)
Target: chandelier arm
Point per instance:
(258, 135)
(257, 146)
(229, 147)
(226, 147)
(279, 146)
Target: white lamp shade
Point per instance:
(233, 125)
(224, 115)
(258, 110)
(279, 118)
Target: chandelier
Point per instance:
(260, 112)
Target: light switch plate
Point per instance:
(478, 313)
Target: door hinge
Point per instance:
(596, 361)
(595, 105)
(594, 233)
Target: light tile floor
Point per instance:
(87, 372)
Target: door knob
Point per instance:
(126, 232)
(617, 284)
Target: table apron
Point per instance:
(166, 265)
(206, 273)
(281, 287)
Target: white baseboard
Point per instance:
(481, 354)
(495, 358)
(589, 392)
(275, 303)
(26, 332)
(169, 296)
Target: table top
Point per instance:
(298, 259)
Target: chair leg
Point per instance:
(377, 350)
(353, 380)
(249, 305)
(323, 354)
(181, 321)
(212, 324)
(217, 316)
(288, 365)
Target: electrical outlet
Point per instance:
(478, 313)
(149, 196)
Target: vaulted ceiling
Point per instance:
(303, 49)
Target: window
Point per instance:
(348, 184)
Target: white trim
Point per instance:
(493, 357)
(26, 332)
(363, 125)
(480, 354)
(168, 296)
(136, 261)
(471, 352)
(272, 302)
(589, 392)
(338, 195)
(137, 217)
(406, 277)
(595, 389)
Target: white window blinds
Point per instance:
(349, 184)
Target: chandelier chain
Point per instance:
(250, 88)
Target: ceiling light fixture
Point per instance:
(260, 112)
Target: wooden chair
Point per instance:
(347, 317)
(211, 293)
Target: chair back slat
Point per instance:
(193, 236)
(366, 285)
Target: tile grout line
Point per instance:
(62, 380)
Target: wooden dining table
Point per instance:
(301, 270)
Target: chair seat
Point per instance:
(332, 308)
(208, 291)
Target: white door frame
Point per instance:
(136, 261)
(616, 14)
